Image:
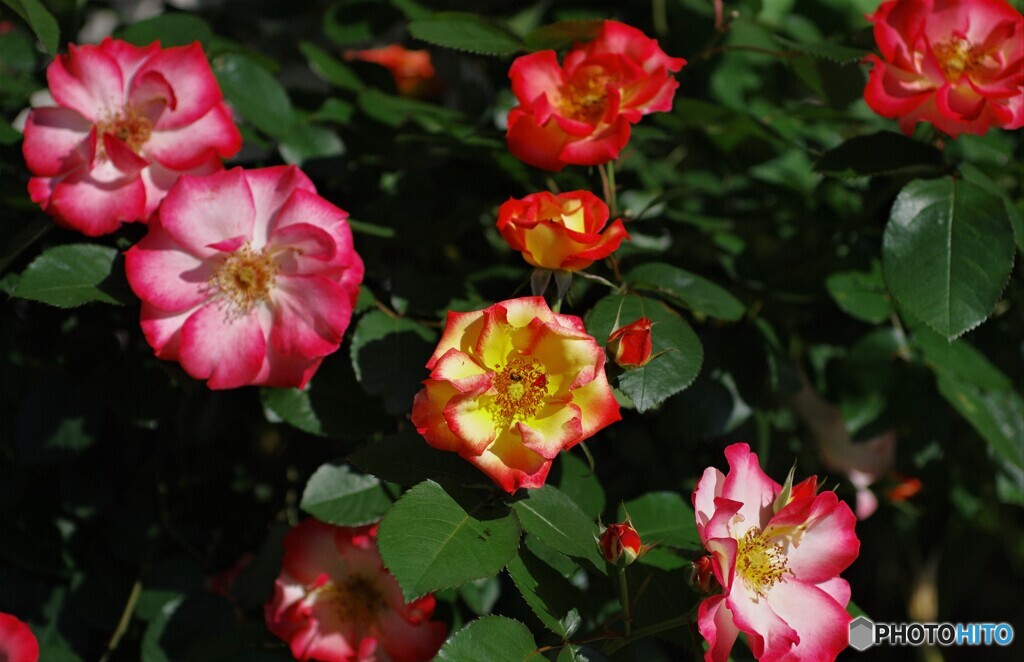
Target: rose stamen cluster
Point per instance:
(244, 280)
(760, 562)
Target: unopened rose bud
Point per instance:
(630, 346)
(620, 544)
(702, 576)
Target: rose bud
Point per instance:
(630, 346)
(702, 575)
(620, 544)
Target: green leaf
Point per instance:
(388, 354)
(337, 495)
(490, 638)
(974, 175)
(663, 518)
(558, 522)
(429, 542)
(394, 110)
(8, 134)
(334, 110)
(687, 289)
(329, 68)
(466, 32)
(169, 581)
(308, 141)
(407, 459)
(481, 594)
(561, 34)
(998, 416)
(665, 375)
(333, 404)
(578, 482)
(960, 359)
(40, 20)
(881, 153)
(861, 294)
(255, 94)
(176, 29)
(73, 274)
(947, 253)
(824, 49)
(548, 594)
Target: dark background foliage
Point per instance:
(124, 483)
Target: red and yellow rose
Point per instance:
(511, 386)
(560, 231)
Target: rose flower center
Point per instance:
(760, 563)
(585, 100)
(245, 279)
(957, 58)
(521, 387)
(356, 600)
(129, 126)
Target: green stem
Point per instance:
(28, 235)
(124, 622)
(610, 194)
(627, 617)
(678, 621)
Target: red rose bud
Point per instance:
(630, 346)
(702, 576)
(620, 544)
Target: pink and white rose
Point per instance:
(246, 277)
(777, 555)
(128, 121)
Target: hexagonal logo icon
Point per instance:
(862, 633)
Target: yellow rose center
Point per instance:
(128, 126)
(521, 386)
(245, 279)
(759, 563)
(585, 100)
(956, 57)
(357, 600)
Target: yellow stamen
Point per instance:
(585, 100)
(521, 388)
(245, 279)
(759, 563)
(956, 57)
(134, 129)
(357, 600)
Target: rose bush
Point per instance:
(579, 112)
(128, 121)
(246, 277)
(560, 232)
(512, 386)
(777, 555)
(958, 65)
(335, 602)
